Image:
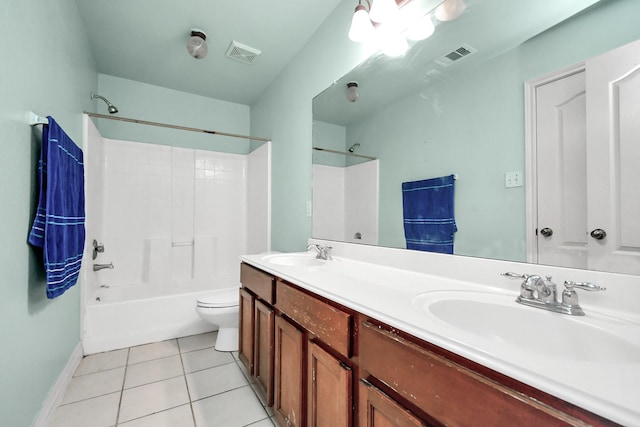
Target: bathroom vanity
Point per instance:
(352, 343)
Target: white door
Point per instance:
(613, 160)
(561, 171)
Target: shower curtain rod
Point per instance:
(346, 153)
(164, 125)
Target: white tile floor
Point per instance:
(182, 382)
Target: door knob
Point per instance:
(598, 234)
(546, 232)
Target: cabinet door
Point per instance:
(379, 410)
(263, 351)
(329, 395)
(448, 392)
(289, 368)
(245, 347)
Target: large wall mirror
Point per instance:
(423, 115)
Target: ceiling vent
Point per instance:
(456, 55)
(242, 53)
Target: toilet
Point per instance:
(221, 308)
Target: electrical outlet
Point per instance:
(513, 179)
(309, 208)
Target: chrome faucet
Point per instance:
(324, 252)
(542, 293)
(98, 267)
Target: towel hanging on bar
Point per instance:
(58, 227)
(429, 222)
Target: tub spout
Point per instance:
(98, 267)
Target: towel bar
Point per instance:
(182, 243)
(35, 119)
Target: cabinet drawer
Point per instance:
(449, 393)
(328, 323)
(259, 282)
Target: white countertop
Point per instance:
(609, 387)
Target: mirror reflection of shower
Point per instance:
(110, 107)
(353, 147)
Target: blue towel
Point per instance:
(59, 224)
(429, 221)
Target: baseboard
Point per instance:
(57, 392)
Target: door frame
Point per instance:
(530, 148)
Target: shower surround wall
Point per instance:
(173, 222)
(172, 214)
(345, 202)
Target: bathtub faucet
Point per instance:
(98, 267)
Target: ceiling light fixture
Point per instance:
(352, 91)
(450, 10)
(197, 44)
(414, 21)
(361, 27)
(421, 29)
(382, 11)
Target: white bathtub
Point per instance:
(128, 315)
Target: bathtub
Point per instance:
(122, 316)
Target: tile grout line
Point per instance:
(238, 363)
(186, 383)
(124, 378)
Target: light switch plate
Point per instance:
(513, 179)
(309, 208)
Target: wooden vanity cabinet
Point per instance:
(379, 410)
(329, 393)
(289, 404)
(257, 328)
(246, 327)
(263, 351)
(316, 390)
(322, 364)
(417, 378)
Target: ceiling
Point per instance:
(145, 41)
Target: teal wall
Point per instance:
(283, 112)
(330, 136)
(47, 67)
(157, 104)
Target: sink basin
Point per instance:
(499, 320)
(305, 259)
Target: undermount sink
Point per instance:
(501, 321)
(305, 259)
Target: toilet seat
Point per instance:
(220, 299)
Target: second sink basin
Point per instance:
(501, 321)
(302, 259)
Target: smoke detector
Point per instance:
(242, 53)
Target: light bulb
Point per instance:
(361, 26)
(421, 29)
(352, 91)
(383, 10)
(197, 45)
(394, 44)
(450, 10)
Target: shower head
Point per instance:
(353, 147)
(110, 107)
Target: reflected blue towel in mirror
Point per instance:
(429, 221)
(58, 227)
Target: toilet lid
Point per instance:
(221, 298)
